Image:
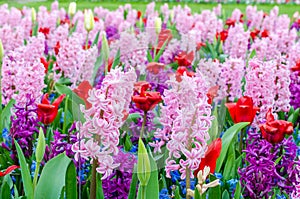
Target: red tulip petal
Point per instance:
(9, 170)
(57, 102)
(232, 111)
(45, 99)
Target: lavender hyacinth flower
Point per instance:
(295, 89)
(24, 126)
(264, 172)
(117, 185)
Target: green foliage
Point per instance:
(52, 179)
(227, 140)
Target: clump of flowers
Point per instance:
(24, 126)
(185, 109)
(99, 134)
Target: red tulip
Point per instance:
(139, 14)
(164, 35)
(200, 45)
(45, 31)
(56, 48)
(223, 35)
(180, 71)
(47, 112)
(45, 63)
(155, 67)
(184, 59)
(254, 34)
(274, 130)
(211, 156)
(296, 67)
(96, 19)
(8, 170)
(146, 100)
(212, 93)
(230, 22)
(243, 110)
(83, 92)
(265, 33)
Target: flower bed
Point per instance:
(148, 104)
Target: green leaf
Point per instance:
(5, 115)
(160, 52)
(228, 167)
(133, 117)
(52, 179)
(227, 140)
(99, 193)
(221, 116)
(133, 184)
(294, 117)
(95, 42)
(213, 131)
(97, 65)
(62, 89)
(197, 194)
(128, 144)
(238, 190)
(253, 54)
(214, 192)
(71, 182)
(5, 191)
(27, 182)
(149, 57)
(35, 29)
(225, 195)
(116, 60)
(211, 49)
(143, 164)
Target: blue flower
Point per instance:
(175, 176)
(62, 117)
(32, 168)
(219, 176)
(183, 186)
(134, 149)
(232, 184)
(280, 196)
(164, 194)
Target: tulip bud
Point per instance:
(105, 48)
(1, 50)
(172, 15)
(33, 15)
(158, 24)
(88, 20)
(72, 9)
(41, 146)
(143, 165)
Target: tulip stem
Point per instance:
(242, 135)
(93, 180)
(143, 190)
(36, 173)
(87, 40)
(143, 125)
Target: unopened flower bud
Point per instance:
(158, 24)
(33, 15)
(72, 9)
(143, 165)
(1, 50)
(88, 20)
(41, 147)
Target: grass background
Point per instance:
(141, 5)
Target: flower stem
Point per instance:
(188, 181)
(143, 190)
(93, 186)
(242, 135)
(87, 40)
(143, 125)
(36, 173)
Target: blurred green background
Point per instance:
(141, 5)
